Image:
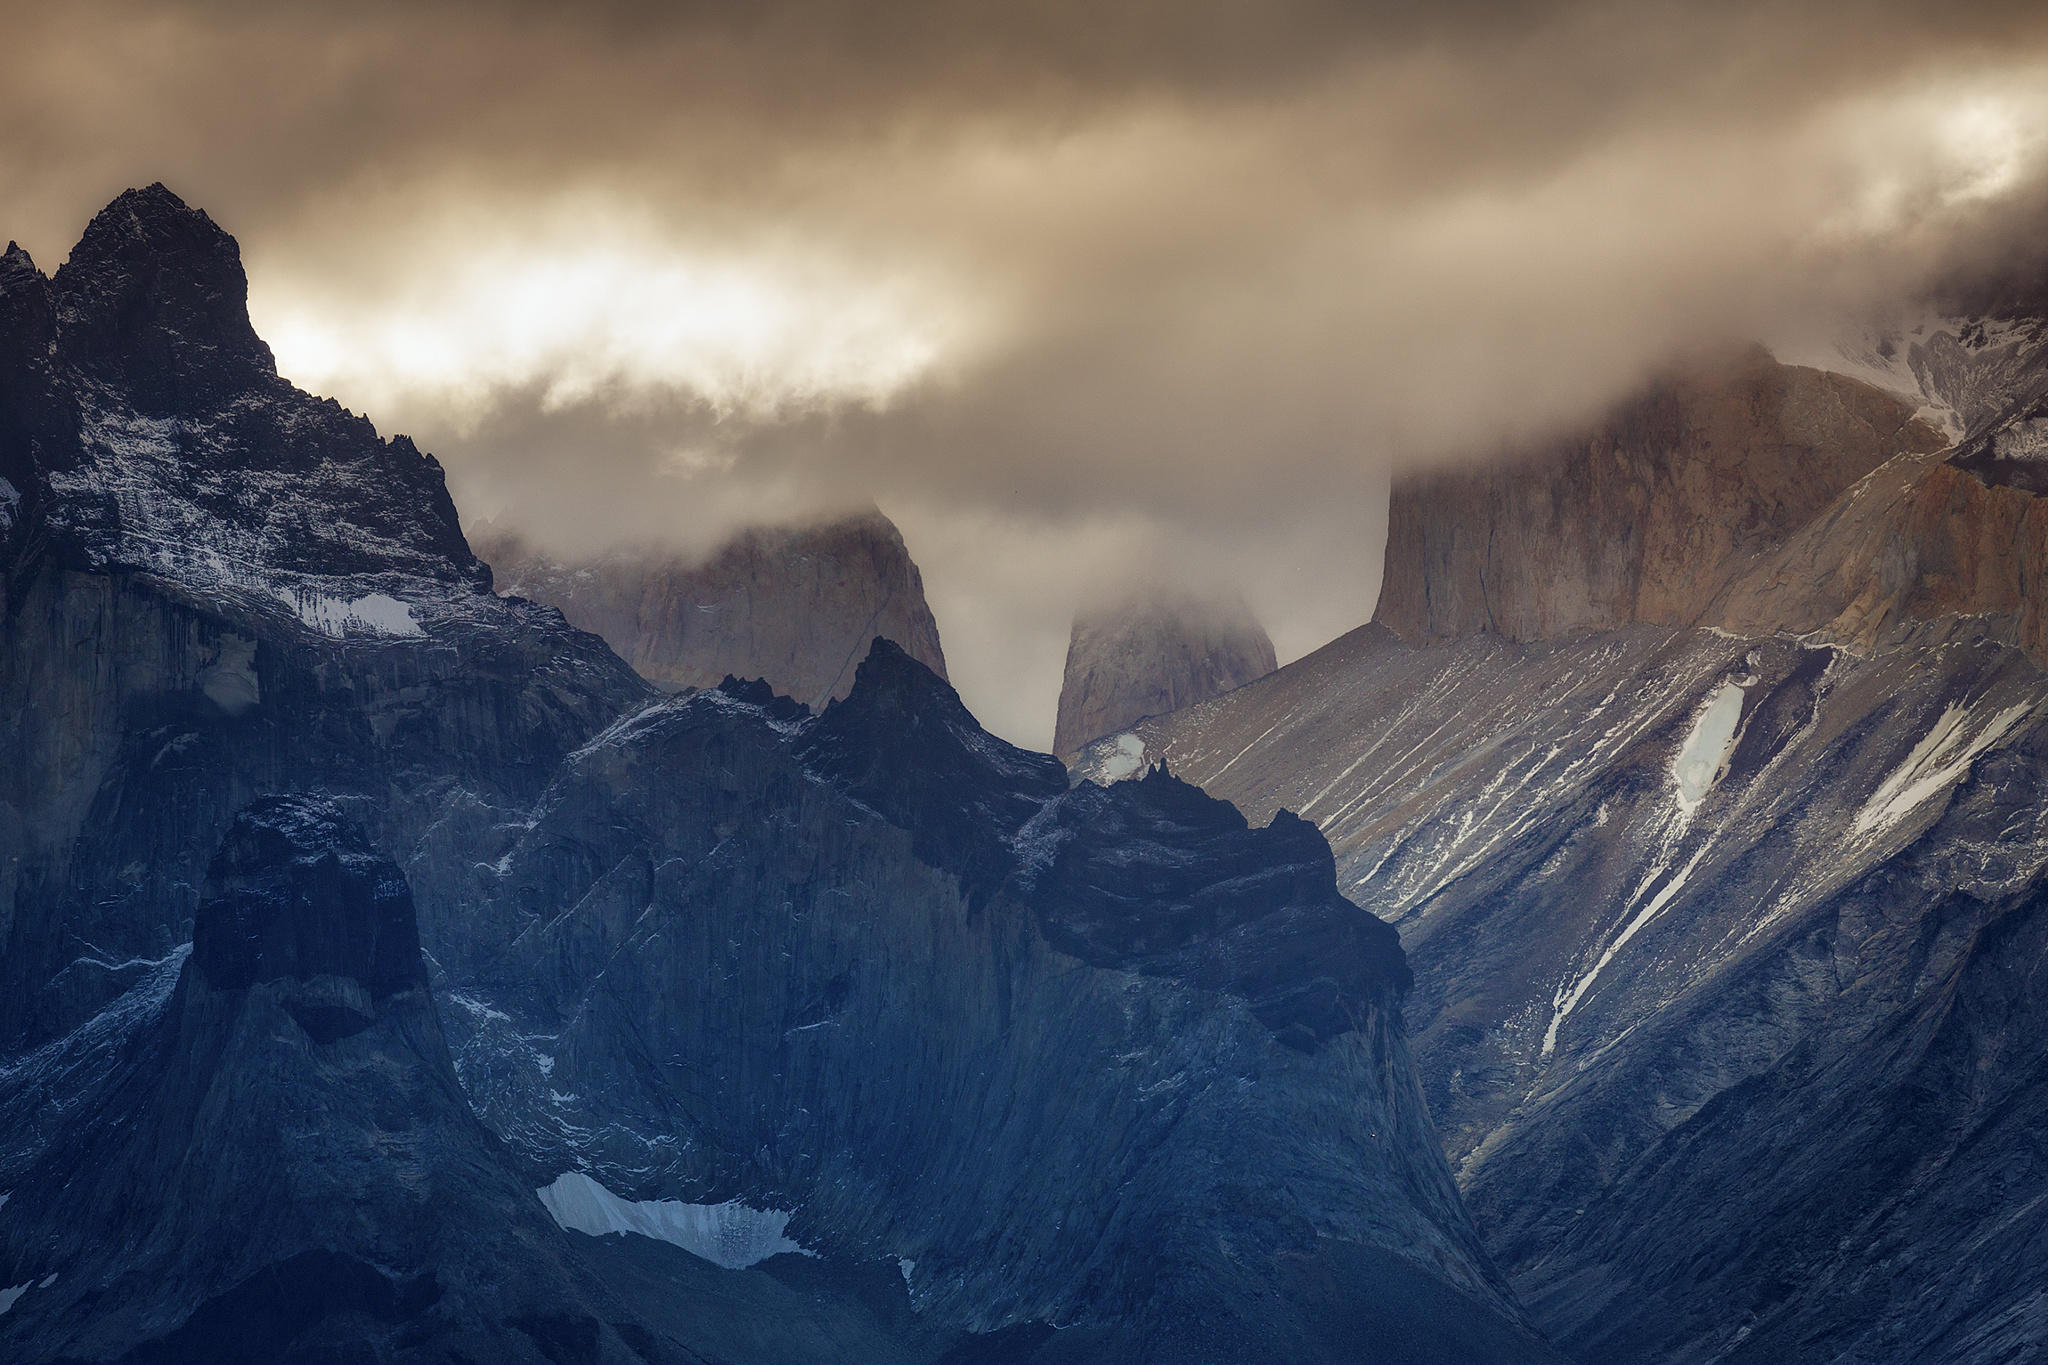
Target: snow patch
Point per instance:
(1942, 756)
(10, 503)
(728, 1234)
(906, 1266)
(374, 613)
(1126, 759)
(1705, 753)
(2026, 440)
(13, 1292)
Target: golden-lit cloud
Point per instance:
(1073, 291)
(592, 301)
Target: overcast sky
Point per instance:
(1072, 291)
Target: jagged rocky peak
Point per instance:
(793, 605)
(1644, 517)
(1158, 877)
(903, 744)
(154, 302)
(1152, 651)
(1055, 1005)
(250, 576)
(145, 427)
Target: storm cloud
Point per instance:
(1074, 292)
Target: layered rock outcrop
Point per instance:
(1923, 539)
(1151, 654)
(795, 606)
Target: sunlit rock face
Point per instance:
(1928, 538)
(1718, 934)
(1643, 519)
(793, 606)
(1152, 654)
(392, 993)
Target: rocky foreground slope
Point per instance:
(795, 606)
(391, 974)
(1151, 654)
(1724, 892)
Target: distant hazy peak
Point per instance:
(1153, 652)
(796, 606)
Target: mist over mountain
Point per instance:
(793, 606)
(1150, 653)
(393, 974)
(1711, 824)
(1073, 297)
(1522, 528)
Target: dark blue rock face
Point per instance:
(297, 892)
(153, 304)
(215, 587)
(345, 907)
(902, 745)
(1156, 876)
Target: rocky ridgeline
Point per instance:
(391, 974)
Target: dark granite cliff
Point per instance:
(217, 586)
(732, 1032)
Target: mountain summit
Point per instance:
(388, 973)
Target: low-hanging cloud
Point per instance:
(1073, 292)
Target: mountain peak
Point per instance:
(150, 258)
(903, 745)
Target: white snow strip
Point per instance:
(9, 1295)
(1248, 748)
(1564, 1003)
(1705, 752)
(729, 1234)
(1942, 757)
